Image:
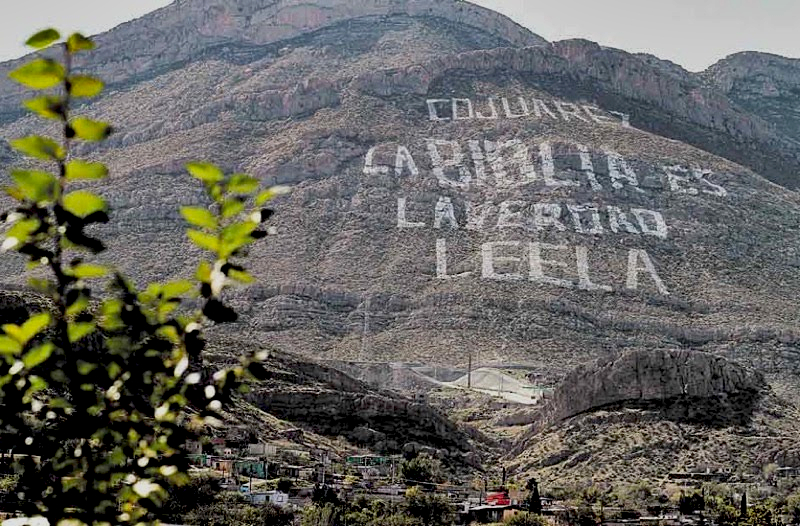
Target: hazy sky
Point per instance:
(693, 33)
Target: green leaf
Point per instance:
(48, 106)
(21, 232)
(9, 346)
(85, 368)
(235, 236)
(85, 86)
(238, 231)
(241, 276)
(198, 216)
(82, 170)
(231, 207)
(78, 306)
(36, 186)
(83, 203)
(110, 318)
(77, 42)
(39, 147)
(42, 73)
(206, 172)
(175, 289)
(89, 271)
(90, 130)
(37, 384)
(270, 194)
(35, 324)
(242, 184)
(43, 38)
(38, 355)
(203, 240)
(203, 273)
(76, 331)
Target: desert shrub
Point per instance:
(95, 388)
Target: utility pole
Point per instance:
(365, 330)
(469, 371)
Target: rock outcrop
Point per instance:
(761, 83)
(683, 385)
(331, 403)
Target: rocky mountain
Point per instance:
(461, 187)
(764, 84)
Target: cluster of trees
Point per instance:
(422, 470)
(420, 508)
(201, 501)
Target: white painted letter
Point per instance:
(716, 189)
(619, 170)
(660, 230)
(509, 218)
(588, 168)
(444, 210)
(403, 158)
(470, 110)
(479, 161)
(584, 281)
(492, 108)
(519, 157)
(567, 108)
(549, 167)
(523, 106)
(489, 259)
(537, 265)
(441, 261)
(675, 181)
(432, 113)
(594, 113)
(634, 257)
(617, 218)
(575, 211)
(539, 107)
(369, 164)
(547, 214)
(402, 222)
(456, 161)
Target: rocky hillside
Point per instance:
(460, 187)
(764, 84)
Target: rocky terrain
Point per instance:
(463, 187)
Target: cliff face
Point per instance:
(764, 84)
(664, 378)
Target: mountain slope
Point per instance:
(460, 186)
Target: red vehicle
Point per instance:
(499, 498)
